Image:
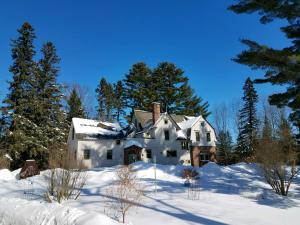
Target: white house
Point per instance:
(167, 138)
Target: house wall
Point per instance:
(98, 152)
(203, 130)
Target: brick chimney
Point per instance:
(156, 111)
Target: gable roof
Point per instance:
(145, 117)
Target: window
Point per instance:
(166, 121)
(73, 133)
(202, 124)
(167, 135)
(208, 139)
(86, 154)
(204, 156)
(185, 145)
(149, 153)
(171, 153)
(197, 134)
(109, 154)
(118, 142)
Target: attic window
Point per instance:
(118, 142)
(202, 124)
(166, 121)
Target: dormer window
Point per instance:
(167, 135)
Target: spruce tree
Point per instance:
(281, 66)
(248, 124)
(21, 136)
(50, 115)
(75, 108)
(224, 147)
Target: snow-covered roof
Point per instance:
(132, 142)
(96, 127)
(181, 134)
(184, 125)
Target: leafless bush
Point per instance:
(190, 174)
(4, 162)
(124, 194)
(278, 156)
(65, 182)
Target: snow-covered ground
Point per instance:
(235, 194)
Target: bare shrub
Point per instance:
(67, 181)
(277, 156)
(190, 174)
(125, 194)
(4, 162)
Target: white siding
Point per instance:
(98, 150)
(203, 130)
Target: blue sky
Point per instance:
(104, 38)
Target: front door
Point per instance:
(132, 157)
(132, 154)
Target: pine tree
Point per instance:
(224, 147)
(138, 85)
(267, 129)
(75, 108)
(248, 121)
(100, 90)
(166, 84)
(119, 100)
(106, 100)
(281, 66)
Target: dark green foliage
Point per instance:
(106, 100)
(75, 108)
(224, 147)
(32, 117)
(248, 124)
(166, 84)
(138, 83)
(119, 100)
(281, 66)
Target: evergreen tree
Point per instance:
(49, 114)
(21, 136)
(248, 121)
(138, 85)
(75, 108)
(119, 100)
(105, 96)
(281, 66)
(165, 84)
(224, 147)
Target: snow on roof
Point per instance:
(188, 123)
(181, 134)
(131, 142)
(95, 127)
